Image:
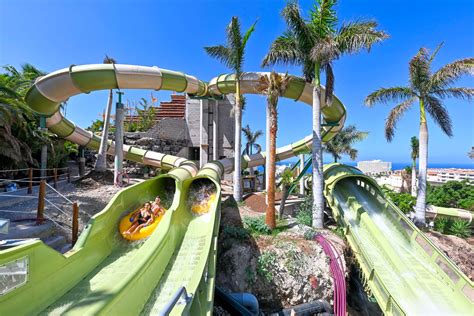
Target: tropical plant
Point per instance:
(232, 55)
(415, 144)
(101, 162)
(287, 177)
(314, 44)
(460, 228)
(20, 138)
(251, 143)
(404, 201)
(341, 144)
(146, 114)
(429, 89)
(273, 85)
(458, 194)
(305, 211)
(96, 126)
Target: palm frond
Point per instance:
(284, 50)
(451, 72)
(297, 25)
(419, 69)
(234, 43)
(220, 53)
(385, 95)
(353, 37)
(325, 50)
(459, 93)
(109, 60)
(439, 114)
(394, 116)
(323, 18)
(415, 147)
(329, 83)
(248, 33)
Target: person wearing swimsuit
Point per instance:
(156, 207)
(141, 218)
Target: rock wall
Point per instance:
(167, 146)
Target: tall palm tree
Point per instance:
(429, 89)
(251, 142)
(273, 86)
(415, 144)
(232, 55)
(342, 143)
(314, 44)
(101, 162)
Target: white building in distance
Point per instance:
(373, 167)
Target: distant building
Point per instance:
(444, 175)
(374, 167)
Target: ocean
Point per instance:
(395, 165)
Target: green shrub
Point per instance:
(264, 265)
(309, 234)
(404, 201)
(304, 214)
(460, 228)
(235, 232)
(452, 194)
(441, 224)
(256, 225)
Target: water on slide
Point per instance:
(410, 277)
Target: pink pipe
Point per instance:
(337, 271)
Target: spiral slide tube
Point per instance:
(405, 271)
(102, 274)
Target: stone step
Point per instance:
(29, 229)
(57, 242)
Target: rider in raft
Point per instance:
(141, 218)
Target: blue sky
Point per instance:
(171, 34)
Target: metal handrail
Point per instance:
(176, 299)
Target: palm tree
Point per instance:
(101, 162)
(232, 55)
(415, 144)
(429, 89)
(273, 86)
(20, 138)
(342, 143)
(287, 178)
(251, 142)
(314, 44)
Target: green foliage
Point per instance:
(338, 230)
(404, 201)
(264, 265)
(341, 144)
(235, 232)
(20, 138)
(249, 275)
(457, 227)
(460, 228)
(96, 126)
(459, 194)
(304, 214)
(256, 225)
(309, 234)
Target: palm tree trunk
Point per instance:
(413, 178)
(335, 158)
(421, 198)
(101, 162)
(250, 151)
(267, 145)
(237, 143)
(270, 214)
(318, 181)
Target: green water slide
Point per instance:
(405, 271)
(173, 271)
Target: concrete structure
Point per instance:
(373, 167)
(192, 128)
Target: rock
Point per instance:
(145, 141)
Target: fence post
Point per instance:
(68, 175)
(55, 177)
(75, 222)
(41, 195)
(30, 182)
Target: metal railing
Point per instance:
(179, 297)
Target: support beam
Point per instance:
(215, 131)
(302, 178)
(118, 163)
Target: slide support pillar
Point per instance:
(301, 170)
(215, 131)
(118, 163)
(44, 148)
